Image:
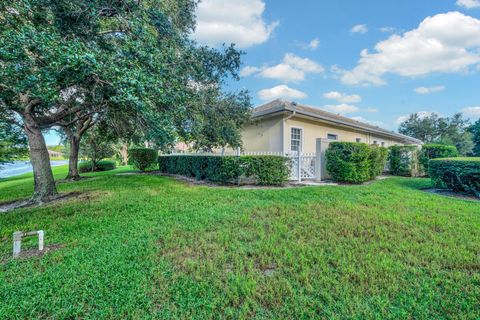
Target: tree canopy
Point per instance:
(435, 129)
(129, 63)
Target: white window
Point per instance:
(295, 139)
(383, 144)
(331, 136)
(375, 142)
(359, 140)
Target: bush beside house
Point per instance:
(403, 161)
(434, 151)
(355, 162)
(263, 170)
(456, 174)
(142, 158)
(102, 165)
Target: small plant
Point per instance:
(403, 161)
(103, 165)
(456, 174)
(355, 162)
(142, 158)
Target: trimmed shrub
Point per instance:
(142, 158)
(268, 170)
(403, 161)
(355, 162)
(434, 151)
(264, 170)
(456, 174)
(378, 160)
(103, 165)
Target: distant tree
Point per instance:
(96, 146)
(475, 131)
(13, 142)
(74, 132)
(444, 130)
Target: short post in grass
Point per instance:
(19, 235)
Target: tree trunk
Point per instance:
(73, 159)
(124, 153)
(44, 184)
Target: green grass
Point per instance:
(141, 246)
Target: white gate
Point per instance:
(302, 166)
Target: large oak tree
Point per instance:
(65, 62)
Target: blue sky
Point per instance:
(418, 56)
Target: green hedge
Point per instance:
(355, 162)
(434, 151)
(142, 158)
(403, 161)
(456, 174)
(103, 165)
(264, 170)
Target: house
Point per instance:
(55, 154)
(287, 127)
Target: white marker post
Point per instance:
(17, 240)
(17, 243)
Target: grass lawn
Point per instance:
(143, 246)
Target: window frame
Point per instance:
(300, 145)
(333, 134)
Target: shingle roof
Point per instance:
(279, 105)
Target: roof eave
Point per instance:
(282, 109)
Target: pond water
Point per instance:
(23, 166)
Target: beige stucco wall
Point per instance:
(264, 135)
(274, 135)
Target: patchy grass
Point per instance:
(142, 246)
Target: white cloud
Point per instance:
(371, 110)
(342, 97)
(468, 4)
(281, 91)
(248, 70)
(341, 108)
(232, 21)
(291, 69)
(283, 72)
(401, 119)
(472, 111)
(426, 90)
(421, 115)
(359, 28)
(314, 44)
(388, 29)
(371, 122)
(447, 42)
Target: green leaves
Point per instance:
(142, 158)
(262, 170)
(355, 162)
(456, 174)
